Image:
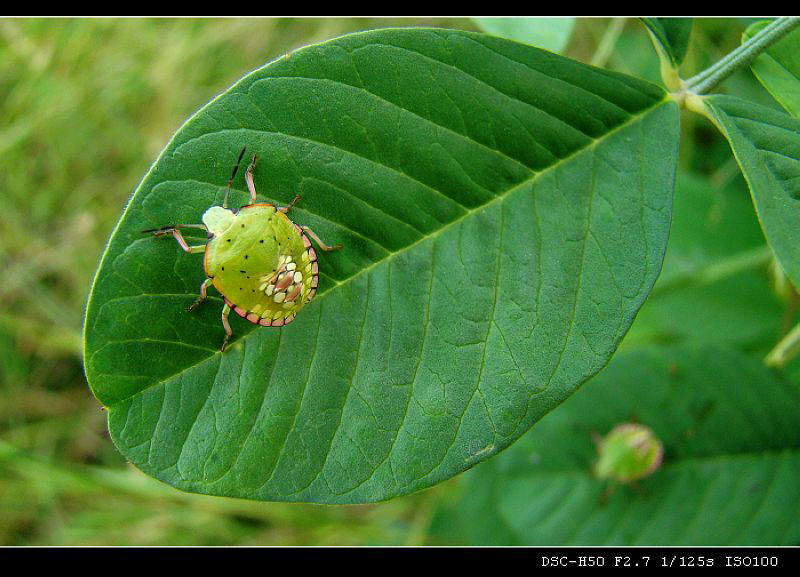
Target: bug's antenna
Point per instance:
(230, 180)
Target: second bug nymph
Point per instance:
(260, 261)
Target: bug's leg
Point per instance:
(248, 176)
(164, 230)
(230, 180)
(193, 249)
(226, 310)
(285, 209)
(174, 231)
(321, 244)
(202, 297)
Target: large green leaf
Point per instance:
(672, 35)
(778, 68)
(548, 33)
(766, 144)
(731, 434)
(504, 213)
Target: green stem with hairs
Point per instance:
(742, 56)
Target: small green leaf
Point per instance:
(504, 213)
(729, 476)
(766, 144)
(672, 35)
(548, 33)
(778, 67)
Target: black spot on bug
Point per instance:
(261, 241)
(229, 240)
(245, 257)
(223, 268)
(243, 271)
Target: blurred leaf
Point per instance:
(778, 68)
(738, 310)
(730, 474)
(548, 33)
(766, 144)
(704, 220)
(672, 35)
(504, 213)
(633, 55)
(713, 286)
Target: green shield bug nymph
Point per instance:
(260, 261)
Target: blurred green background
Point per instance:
(85, 107)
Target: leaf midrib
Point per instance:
(499, 197)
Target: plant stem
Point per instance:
(785, 350)
(742, 56)
(607, 42)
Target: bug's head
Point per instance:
(218, 219)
